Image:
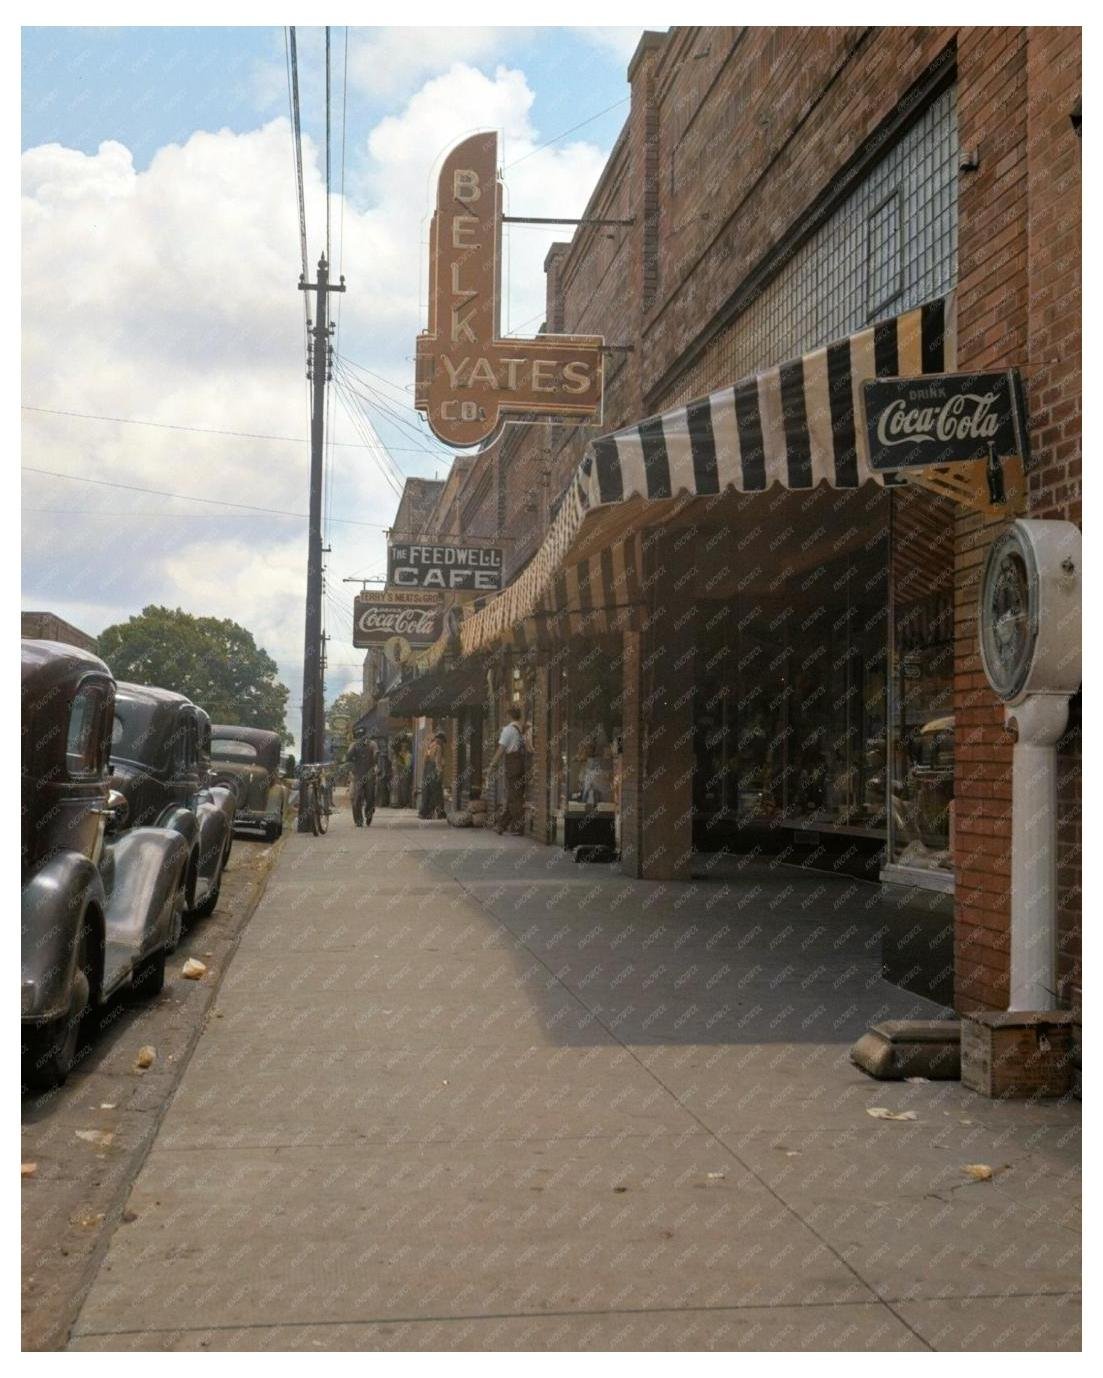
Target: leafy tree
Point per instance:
(212, 660)
(348, 706)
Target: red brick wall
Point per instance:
(1053, 162)
(732, 135)
(1018, 305)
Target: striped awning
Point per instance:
(795, 425)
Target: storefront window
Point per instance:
(921, 704)
(589, 694)
(791, 731)
(923, 735)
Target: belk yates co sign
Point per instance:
(445, 567)
(944, 418)
(470, 380)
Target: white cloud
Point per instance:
(170, 295)
(619, 42)
(386, 63)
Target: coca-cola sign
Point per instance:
(944, 418)
(378, 617)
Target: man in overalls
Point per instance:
(511, 751)
(361, 763)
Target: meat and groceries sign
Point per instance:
(444, 567)
(377, 617)
(469, 381)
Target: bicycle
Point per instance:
(314, 799)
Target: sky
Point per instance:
(161, 253)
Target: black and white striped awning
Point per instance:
(795, 425)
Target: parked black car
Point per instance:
(250, 760)
(101, 906)
(158, 764)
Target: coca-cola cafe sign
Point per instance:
(376, 617)
(944, 418)
(469, 380)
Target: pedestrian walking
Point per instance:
(511, 752)
(361, 763)
(432, 782)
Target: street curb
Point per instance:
(59, 1335)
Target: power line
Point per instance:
(361, 368)
(188, 497)
(581, 124)
(210, 430)
(329, 189)
(395, 484)
(297, 134)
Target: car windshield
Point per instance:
(131, 732)
(224, 749)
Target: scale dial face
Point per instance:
(1009, 614)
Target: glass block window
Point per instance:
(889, 246)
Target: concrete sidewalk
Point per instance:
(461, 1093)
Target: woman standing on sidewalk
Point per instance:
(432, 783)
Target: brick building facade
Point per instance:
(787, 188)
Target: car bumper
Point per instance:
(250, 818)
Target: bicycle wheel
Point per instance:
(315, 810)
(321, 815)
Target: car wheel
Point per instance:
(273, 832)
(149, 976)
(49, 1050)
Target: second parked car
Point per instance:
(157, 762)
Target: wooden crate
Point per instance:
(1016, 1055)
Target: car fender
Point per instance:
(215, 815)
(149, 864)
(277, 800)
(55, 901)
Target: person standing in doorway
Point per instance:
(511, 752)
(361, 763)
(432, 784)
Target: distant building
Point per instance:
(47, 626)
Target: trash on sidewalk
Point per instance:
(880, 1113)
(147, 1056)
(102, 1138)
(193, 969)
(979, 1172)
(28, 1169)
(903, 1048)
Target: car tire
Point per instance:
(149, 976)
(273, 832)
(49, 1050)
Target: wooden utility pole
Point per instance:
(312, 742)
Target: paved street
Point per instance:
(89, 1138)
(459, 1092)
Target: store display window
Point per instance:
(587, 695)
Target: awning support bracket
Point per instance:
(996, 487)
